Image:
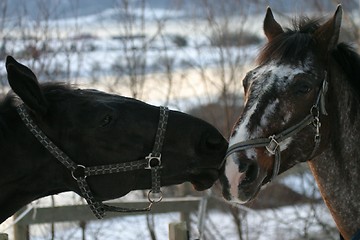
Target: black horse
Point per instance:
(99, 134)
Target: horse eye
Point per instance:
(106, 121)
(303, 89)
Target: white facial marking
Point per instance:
(250, 153)
(242, 133)
(232, 168)
(275, 74)
(270, 75)
(234, 176)
(269, 110)
(286, 118)
(284, 144)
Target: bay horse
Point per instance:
(55, 138)
(302, 103)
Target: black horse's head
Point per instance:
(96, 128)
(285, 119)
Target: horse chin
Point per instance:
(198, 186)
(246, 195)
(202, 179)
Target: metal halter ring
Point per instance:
(78, 172)
(154, 199)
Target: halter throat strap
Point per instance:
(272, 143)
(79, 172)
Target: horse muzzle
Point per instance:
(204, 178)
(241, 179)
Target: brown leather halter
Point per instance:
(80, 173)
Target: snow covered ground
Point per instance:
(195, 78)
(289, 223)
(304, 221)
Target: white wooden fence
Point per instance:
(178, 231)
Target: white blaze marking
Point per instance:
(233, 175)
(242, 133)
(232, 168)
(270, 109)
(278, 74)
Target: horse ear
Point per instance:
(271, 27)
(25, 84)
(327, 35)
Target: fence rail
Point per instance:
(184, 205)
(82, 212)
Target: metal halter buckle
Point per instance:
(273, 145)
(153, 161)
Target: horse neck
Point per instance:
(27, 170)
(337, 169)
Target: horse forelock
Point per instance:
(298, 43)
(58, 92)
(295, 41)
(61, 90)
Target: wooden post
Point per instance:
(185, 218)
(178, 231)
(21, 232)
(82, 225)
(4, 236)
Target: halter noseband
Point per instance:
(80, 173)
(272, 143)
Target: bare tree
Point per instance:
(208, 58)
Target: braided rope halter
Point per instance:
(80, 173)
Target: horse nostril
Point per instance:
(243, 166)
(251, 173)
(215, 142)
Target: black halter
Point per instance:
(272, 143)
(80, 173)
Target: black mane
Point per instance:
(349, 61)
(10, 100)
(293, 45)
(48, 88)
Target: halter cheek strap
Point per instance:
(272, 143)
(80, 173)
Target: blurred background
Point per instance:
(190, 56)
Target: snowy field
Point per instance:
(304, 221)
(95, 62)
(289, 223)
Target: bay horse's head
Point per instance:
(94, 129)
(285, 119)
